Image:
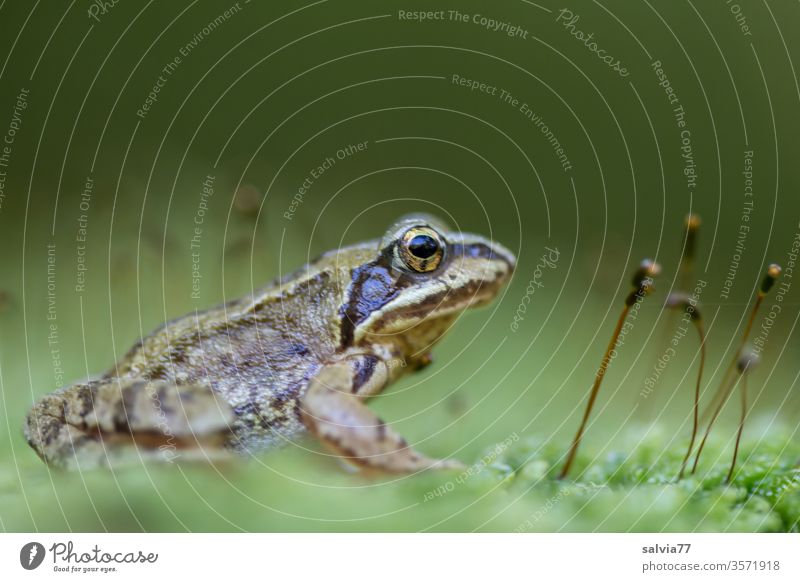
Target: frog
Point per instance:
(299, 357)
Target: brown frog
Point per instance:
(302, 354)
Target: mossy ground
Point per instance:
(510, 487)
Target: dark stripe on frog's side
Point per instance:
(372, 286)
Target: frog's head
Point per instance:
(422, 276)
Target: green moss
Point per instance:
(639, 491)
(510, 487)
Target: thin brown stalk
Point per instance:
(598, 380)
(742, 418)
(696, 407)
(723, 392)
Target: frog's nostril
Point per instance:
(497, 257)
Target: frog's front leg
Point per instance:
(333, 411)
(117, 421)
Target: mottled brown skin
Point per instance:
(300, 355)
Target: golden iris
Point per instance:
(421, 249)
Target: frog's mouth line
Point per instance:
(475, 294)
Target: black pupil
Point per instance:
(423, 246)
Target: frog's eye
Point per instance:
(421, 249)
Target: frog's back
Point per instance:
(258, 352)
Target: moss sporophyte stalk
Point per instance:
(736, 374)
(642, 285)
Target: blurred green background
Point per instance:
(262, 94)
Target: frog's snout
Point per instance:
(490, 259)
(479, 267)
(506, 257)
